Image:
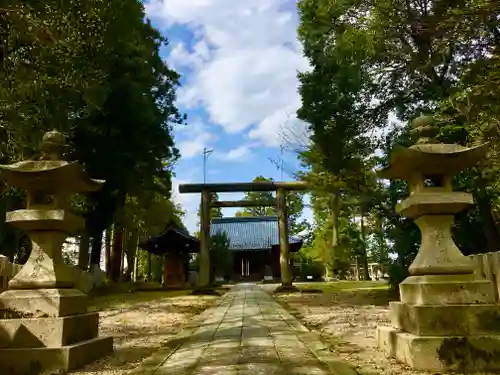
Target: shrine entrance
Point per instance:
(206, 190)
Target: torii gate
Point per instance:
(281, 189)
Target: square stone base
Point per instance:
(446, 290)
(44, 302)
(48, 332)
(449, 353)
(24, 361)
(446, 320)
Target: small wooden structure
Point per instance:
(175, 244)
(206, 191)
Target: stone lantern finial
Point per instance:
(53, 143)
(424, 127)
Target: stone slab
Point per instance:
(44, 302)
(446, 290)
(48, 332)
(449, 320)
(441, 354)
(24, 361)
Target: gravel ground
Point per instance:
(140, 328)
(348, 320)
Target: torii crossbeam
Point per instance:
(238, 187)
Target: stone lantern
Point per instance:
(45, 321)
(448, 318)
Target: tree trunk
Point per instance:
(125, 235)
(366, 274)
(107, 249)
(335, 253)
(117, 253)
(132, 242)
(83, 251)
(136, 263)
(95, 255)
(118, 239)
(357, 269)
(149, 267)
(383, 258)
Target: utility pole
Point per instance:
(206, 154)
(280, 163)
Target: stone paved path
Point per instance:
(247, 333)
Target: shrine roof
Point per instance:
(251, 233)
(172, 238)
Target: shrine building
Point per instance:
(254, 246)
(176, 245)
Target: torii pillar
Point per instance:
(281, 209)
(204, 255)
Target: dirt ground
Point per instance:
(140, 325)
(348, 320)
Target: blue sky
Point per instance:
(239, 61)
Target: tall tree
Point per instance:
(371, 59)
(254, 196)
(130, 142)
(92, 71)
(294, 200)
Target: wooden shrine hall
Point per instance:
(175, 244)
(254, 246)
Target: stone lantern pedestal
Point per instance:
(448, 318)
(45, 324)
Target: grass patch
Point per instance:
(126, 299)
(342, 286)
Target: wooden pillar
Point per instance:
(286, 277)
(204, 255)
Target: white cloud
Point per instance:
(180, 57)
(193, 138)
(244, 62)
(189, 203)
(243, 152)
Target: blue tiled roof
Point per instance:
(249, 233)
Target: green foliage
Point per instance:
(92, 70)
(258, 196)
(314, 269)
(295, 206)
(220, 255)
(372, 59)
(215, 211)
